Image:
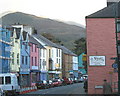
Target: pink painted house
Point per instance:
(34, 61)
(101, 47)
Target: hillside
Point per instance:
(65, 32)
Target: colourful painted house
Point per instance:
(67, 63)
(81, 69)
(34, 60)
(24, 73)
(75, 66)
(5, 48)
(15, 52)
(53, 61)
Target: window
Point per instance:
(26, 46)
(18, 58)
(26, 60)
(32, 47)
(32, 60)
(22, 59)
(1, 80)
(35, 48)
(13, 58)
(17, 55)
(49, 53)
(57, 52)
(40, 63)
(7, 80)
(52, 53)
(40, 52)
(43, 53)
(44, 64)
(57, 60)
(36, 61)
(16, 41)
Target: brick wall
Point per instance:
(100, 41)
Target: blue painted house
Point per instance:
(81, 69)
(5, 47)
(22, 31)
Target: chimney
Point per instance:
(109, 2)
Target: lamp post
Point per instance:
(117, 44)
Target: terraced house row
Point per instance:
(32, 57)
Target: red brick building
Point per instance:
(101, 47)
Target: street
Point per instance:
(71, 90)
(76, 88)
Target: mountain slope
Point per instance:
(64, 32)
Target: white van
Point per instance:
(9, 83)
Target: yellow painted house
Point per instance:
(15, 52)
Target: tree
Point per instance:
(80, 46)
(51, 37)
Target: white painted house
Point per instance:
(75, 66)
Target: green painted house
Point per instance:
(81, 69)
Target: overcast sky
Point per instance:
(66, 10)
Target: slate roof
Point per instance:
(67, 51)
(32, 40)
(107, 12)
(46, 41)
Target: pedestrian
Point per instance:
(107, 89)
(86, 86)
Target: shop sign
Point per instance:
(97, 60)
(35, 67)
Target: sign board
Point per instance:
(97, 60)
(98, 86)
(114, 65)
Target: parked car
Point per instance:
(60, 82)
(50, 83)
(67, 81)
(42, 84)
(75, 80)
(85, 77)
(81, 79)
(55, 82)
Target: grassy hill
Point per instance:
(65, 32)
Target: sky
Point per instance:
(65, 10)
